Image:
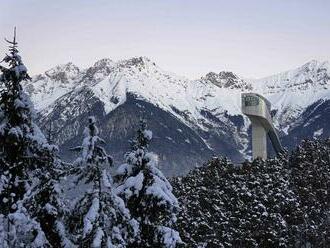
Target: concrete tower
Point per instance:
(257, 108)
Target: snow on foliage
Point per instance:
(91, 217)
(20, 230)
(148, 194)
(100, 218)
(132, 186)
(65, 241)
(280, 202)
(147, 134)
(169, 237)
(160, 187)
(29, 168)
(97, 242)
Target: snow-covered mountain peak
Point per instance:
(105, 68)
(227, 79)
(312, 76)
(141, 77)
(291, 92)
(139, 62)
(97, 72)
(63, 73)
(316, 68)
(45, 88)
(110, 82)
(315, 65)
(105, 62)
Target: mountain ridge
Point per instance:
(209, 106)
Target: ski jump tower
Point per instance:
(257, 108)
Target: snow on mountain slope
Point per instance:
(200, 104)
(313, 74)
(46, 88)
(209, 105)
(141, 77)
(107, 88)
(110, 81)
(147, 81)
(291, 92)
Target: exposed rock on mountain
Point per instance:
(227, 79)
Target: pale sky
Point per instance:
(253, 38)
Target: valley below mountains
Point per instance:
(191, 120)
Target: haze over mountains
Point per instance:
(191, 119)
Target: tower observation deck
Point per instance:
(257, 108)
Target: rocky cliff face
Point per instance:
(227, 79)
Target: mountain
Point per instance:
(293, 91)
(191, 119)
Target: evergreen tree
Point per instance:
(100, 218)
(47, 204)
(148, 195)
(23, 149)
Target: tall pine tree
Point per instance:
(23, 149)
(148, 195)
(100, 218)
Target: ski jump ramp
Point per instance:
(257, 108)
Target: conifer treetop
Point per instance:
(17, 69)
(143, 137)
(91, 148)
(148, 194)
(13, 45)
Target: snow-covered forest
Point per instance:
(135, 208)
(281, 202)
(94, 202)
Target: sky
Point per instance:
(253, 38)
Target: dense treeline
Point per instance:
(281, 202)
